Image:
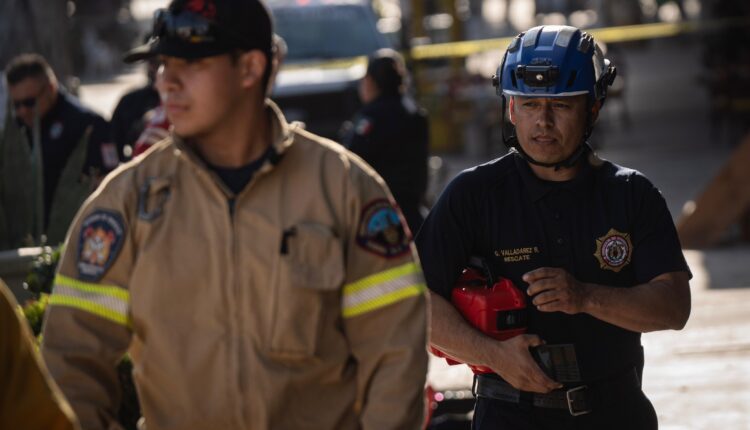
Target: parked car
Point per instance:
(327, 46)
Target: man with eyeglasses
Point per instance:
(54, 153)
(260, 277)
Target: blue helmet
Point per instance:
(554, 61)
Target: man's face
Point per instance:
(549, 129)
(30, 94)
(368, 90)
(199, 94)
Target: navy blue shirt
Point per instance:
(609, 225)
(62, 128)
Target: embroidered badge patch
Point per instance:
(363, 127)
(101, 239)
(109, 155)
(207, 8)
(56, 130)
(613, 250)
(380, 230)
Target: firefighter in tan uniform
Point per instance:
(258, 275)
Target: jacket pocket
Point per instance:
(307, 290)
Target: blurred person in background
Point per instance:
(132, 115)
(260, 276)
(391, 133)
(54, 153)
(590, 243)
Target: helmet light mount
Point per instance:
(537, 76)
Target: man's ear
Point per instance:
(511, 108)
(252, 65)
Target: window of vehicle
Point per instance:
(327, 32)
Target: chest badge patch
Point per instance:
(381, 231)
(100, 242)
(613, 250)
(363, 127)
(55, 130)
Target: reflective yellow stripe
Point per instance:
(106, 301)
(94, 308)
(382, 289)
(385, 300)
(104, 290)
(379, 278)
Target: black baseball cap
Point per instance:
(203, 28)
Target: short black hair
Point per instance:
(386, 68)
(27, 66)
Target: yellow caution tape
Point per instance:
(343, 63)
(626, 33)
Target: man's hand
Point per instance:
(555, 290)
(512, 360)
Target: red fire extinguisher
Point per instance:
(495, 306)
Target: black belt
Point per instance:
(577, 400)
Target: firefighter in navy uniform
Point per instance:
(75, 154)
(391, 133)
(260, 276)
(590, 242)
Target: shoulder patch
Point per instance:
(99, 244)
(109, 155)
(381, 230)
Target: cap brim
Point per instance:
(143, 52)
(174, 48)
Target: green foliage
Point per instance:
(34, 312)
(42, 274)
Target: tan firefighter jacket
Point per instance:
(297, 304)
(29, 398)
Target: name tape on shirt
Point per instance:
(381, 230)
(100, 241)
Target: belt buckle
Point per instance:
(569, 397)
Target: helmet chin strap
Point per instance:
(567, 163)
(583, 148)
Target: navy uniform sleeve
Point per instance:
(421, 146)
(447, 237)
(103, 156)
(657, 248)
(121, 124)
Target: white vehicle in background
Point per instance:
(328, 42)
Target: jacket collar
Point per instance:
(282, 138)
